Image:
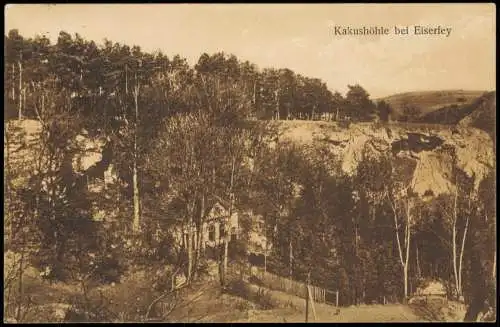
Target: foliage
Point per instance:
(384, 111)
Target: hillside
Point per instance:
(429, 101)
(483, 115)
(482, 109)
(202, 302)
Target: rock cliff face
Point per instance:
(430, 149)
(27, 155)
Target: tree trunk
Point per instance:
(255, 93)
(6, 178)
(136, 223)
(196, 231)
(199, 235)
(126, 79)
(408, 242)
(278, 101)
(405, 278)
(454, 254)
(455, 245)
(13, 94)
(265, 248)
(419, 271)
(226, 253)
(227, 223)
(189, 247)
(20, 109)
(20, 288)
(460, 263)
(405, 261)
(494, 269)
(24, 97)
(291, 260)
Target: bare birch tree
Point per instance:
(137, 218)
(402, 205)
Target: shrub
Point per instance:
(264, 299)
(289, 304)
(377, 125)
(255, 280)
(239, 288)
(108, 270)
(127, 301)
(243, 305)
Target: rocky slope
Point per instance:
(483, 115)
(428, 147)
(25, 157)
(26, 151)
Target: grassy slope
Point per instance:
(292, 309)
(204, 302)
(429, 101)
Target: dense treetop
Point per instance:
(95, 78)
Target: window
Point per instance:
(233, 234)
(211, 233)
(428, 193)
(222, 232)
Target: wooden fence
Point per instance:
(287, 285)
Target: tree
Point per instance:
(275, 188)
(405, 206)
(384, 111)
(373, 212)
(17, 53)
(268, 93)
(359, 105)
(410, 113)
(462, 206)
(339, 104)
(325, 232)
(480, 265)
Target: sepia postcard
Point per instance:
(250, 163)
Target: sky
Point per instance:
(296, 36)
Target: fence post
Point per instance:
(307, 296)
(337, 298)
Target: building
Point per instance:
(213, 229)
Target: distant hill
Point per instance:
(481, 114)
(452, 114)
(429, 101)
